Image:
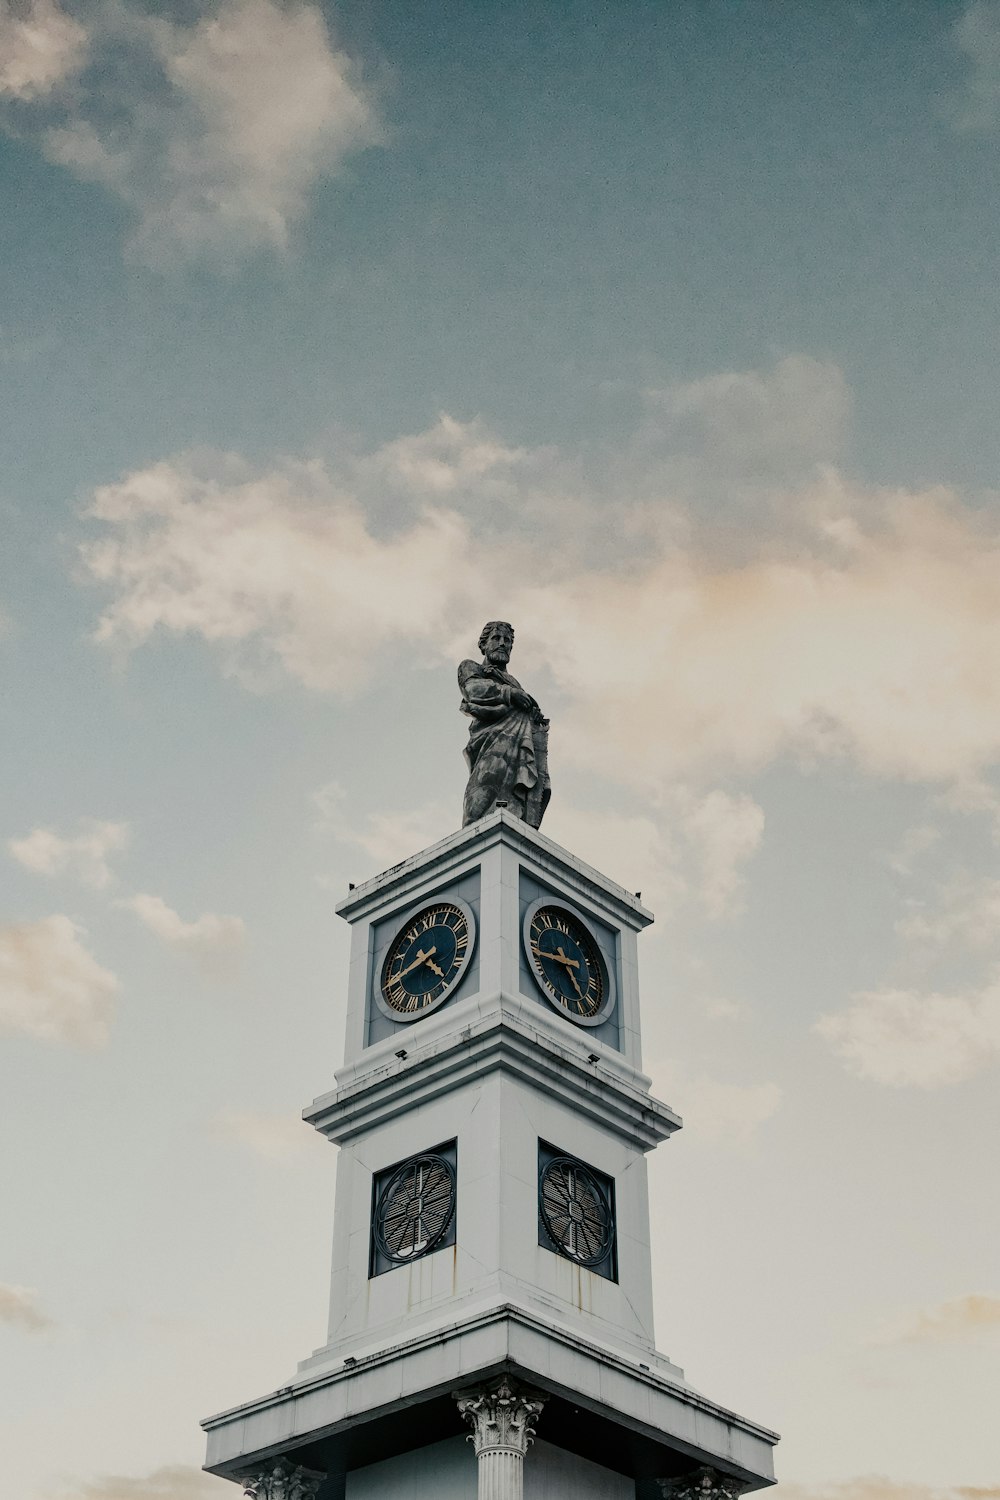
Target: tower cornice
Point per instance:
(494, 1033)
(453, 852)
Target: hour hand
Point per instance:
(558, 957)
(561, 955)
(433, 966)
(421, 958)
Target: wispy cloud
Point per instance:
(715, 1111)
(19, 1309)
(963, 911)
(906, 1038)
(274, 1138)
(977, 35)
(214, 133)
(83, 855)
(41, 47)
(51, 987)
(856, 633)
(215, 941)
(173, 1482)
(956, 1322)
(387, 836)
(879, 1487)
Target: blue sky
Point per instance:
(668, 332)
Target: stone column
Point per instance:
(502, 1418)
(278, 1479)
(702, 1484)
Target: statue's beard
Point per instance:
(498, 658)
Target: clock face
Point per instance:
(426, 959)
(567, 963)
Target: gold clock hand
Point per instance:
(434, 968)
(561, 955)
(421, 958)
(558, 957)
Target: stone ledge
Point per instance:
(496, 827)
(496, 1036)
(675, 1425)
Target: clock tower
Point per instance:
(492, 1268)
(491, 1312)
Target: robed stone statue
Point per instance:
(508, 745)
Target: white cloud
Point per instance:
(860, 635)
(723, 831)
(213, 133)
(903, 1038)
(633, 849)
(386, 837)
(449, 457)
(956, 1322)
(41, 46)
(878, 1487)
(754, 423)
(51, 987)
(19, 1309)
(869, 646)
(213, 940)
(977, 35)
(966, 911)
(274, 1138)
(83, 856)
(717, 1112)
(173, 1482)
(279, 567)
(914, 843)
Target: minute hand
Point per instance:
(421, 958)
(562, 957)
(557, 958)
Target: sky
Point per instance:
(671, 334)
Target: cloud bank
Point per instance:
(212, 133)
(84, 856)
(19, 1309)
(211, 939)
(861, 631)
(906, 1038)
(51, 987)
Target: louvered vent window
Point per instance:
(576, 1211)
(413, 1208)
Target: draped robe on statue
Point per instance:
(508, 747)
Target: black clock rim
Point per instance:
(432, 1244)
(610, 995)
(407, 1018)
(587, 1261)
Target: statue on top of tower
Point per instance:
(508, 747)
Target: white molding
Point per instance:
(503, 1338)
(451, 852)
(496, 1036)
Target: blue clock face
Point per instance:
(566, 960)
(426, 959)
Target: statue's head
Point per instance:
(497, 642)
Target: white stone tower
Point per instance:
(491, 1326)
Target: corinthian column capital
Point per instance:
(502, 1418)
(702, 1484)
(279, 1479)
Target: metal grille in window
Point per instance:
(576, 1211)
(413, 1209)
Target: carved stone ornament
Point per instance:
(280, 1480)
(502, 1419)
(702, 1484)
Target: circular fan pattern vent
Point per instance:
(415, 1208)
(575, 1211)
